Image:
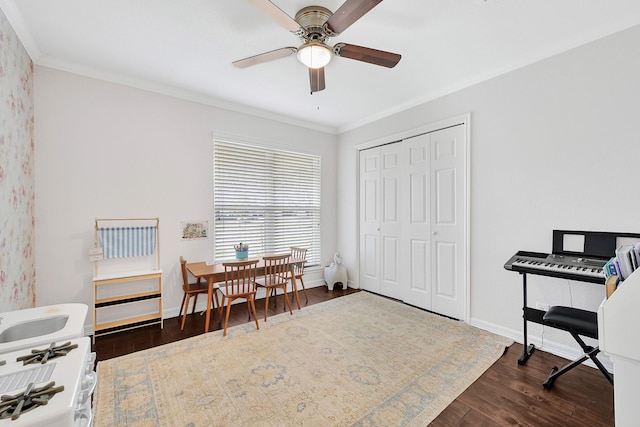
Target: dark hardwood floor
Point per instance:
(121, 343)
(512, 394)
(506, 394)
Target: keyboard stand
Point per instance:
(531, 315)
(528, 315)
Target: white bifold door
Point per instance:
(413, 220)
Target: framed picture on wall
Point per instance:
(195, 230)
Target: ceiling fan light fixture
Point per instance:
(314, 54)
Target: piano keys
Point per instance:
(585, 269)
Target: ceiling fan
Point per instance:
(315, 25)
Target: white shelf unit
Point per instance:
(620, 340)
(118, 279)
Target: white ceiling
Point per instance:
(185, 48)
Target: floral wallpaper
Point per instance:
(17, 195)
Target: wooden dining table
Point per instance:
(214, 273)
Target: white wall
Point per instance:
(550, 145)
(553, 145)
(107, 150)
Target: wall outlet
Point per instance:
(542, 306)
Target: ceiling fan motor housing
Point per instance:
(312, 19)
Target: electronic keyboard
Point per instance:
(558, 265)
(575, 255)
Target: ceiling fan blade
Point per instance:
(365, 54)
(348, 13)
(316, 77)
(265, 57)
(277, 15)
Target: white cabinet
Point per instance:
(619, 338)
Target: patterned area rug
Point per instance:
(360, 360)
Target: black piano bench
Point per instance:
(577, 322)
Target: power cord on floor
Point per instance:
(570, 295)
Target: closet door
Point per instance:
(448, 225)
(393, 186)
(370, 219)
(382, 186)
(413, 221)
(417, 214)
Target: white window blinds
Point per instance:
(266, 198)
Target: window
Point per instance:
(266, 198)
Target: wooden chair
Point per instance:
(192, 289)
(239, 283)
(275, 276)
(298, 268)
